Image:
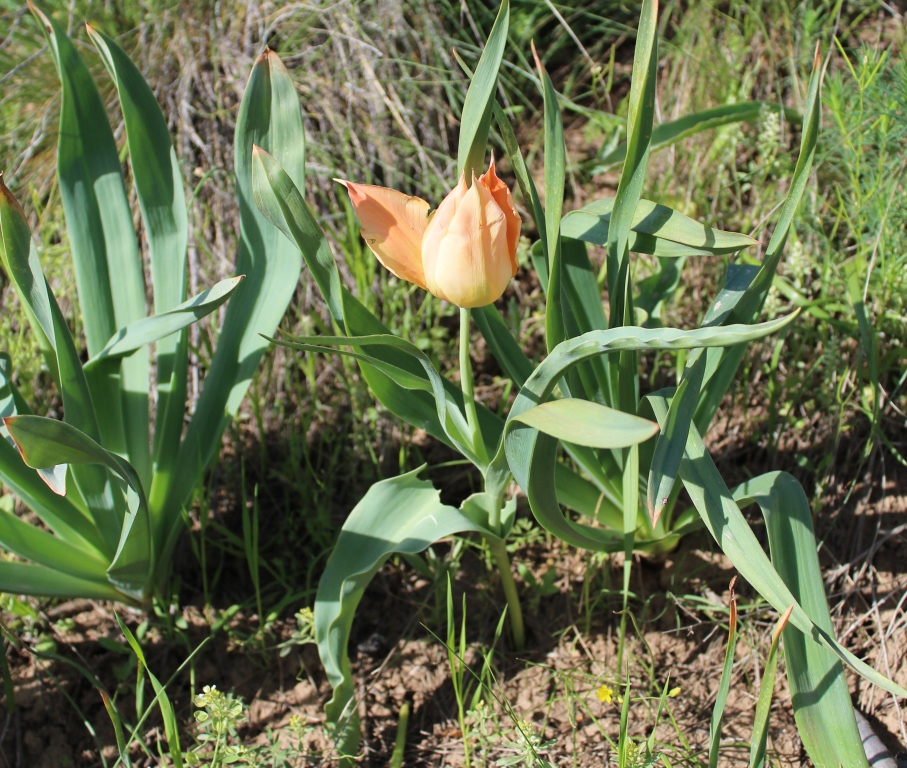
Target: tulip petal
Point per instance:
(501, 194)
(465, 255)
(392, 226)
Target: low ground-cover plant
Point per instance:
(585, 397)
(112, 481)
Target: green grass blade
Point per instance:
(122, 746)
(724, 686)
(269, 117)
(159, 188)
(104, 247)
(759, 739)
(159, 327)
(819, 690)
(171, 725)
(403, 514)
(666, 134)
(475, 121)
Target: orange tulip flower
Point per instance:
(464, 252)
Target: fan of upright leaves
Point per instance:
(110, 481)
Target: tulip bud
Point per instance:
(464, 252)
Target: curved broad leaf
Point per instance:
(819, 691)
(587, 423)
(475, 121)
(655, 229)
(46, 443)
(157, 327)
(61, 515)
(724, 520)
(402, 514)
(450, 416)
(672, 441)
(531, 455)
(269, 117)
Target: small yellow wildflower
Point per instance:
(604, 694)
(674, 692)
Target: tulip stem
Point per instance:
(498, 549)
(467, 384)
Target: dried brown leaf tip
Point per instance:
(9, 198)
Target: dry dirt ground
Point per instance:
(57, 717)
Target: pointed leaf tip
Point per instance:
(535, 55)
(8, 198)
(782, 622)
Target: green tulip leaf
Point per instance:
(724, 520)
(47, 443)
(586, 423)
(819, 691)
(269, 117)
(655, 229)
(151, 329)
(531, 455)
(475, 121)
(404, 515)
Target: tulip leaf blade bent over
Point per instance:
(402, 514)
(531, 455)
(819, 690)
(728, 526)
(46, 443)
(158, 327)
